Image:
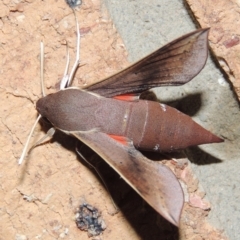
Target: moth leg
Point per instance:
(99, 174)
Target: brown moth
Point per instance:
(116, 128)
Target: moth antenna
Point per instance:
(24, 152)
(77, 61)
(95, 169)
(65, 78)
(42, 67)
(27, 142)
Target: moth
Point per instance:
(110, 118)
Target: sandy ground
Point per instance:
(39, 200)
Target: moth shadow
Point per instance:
(188, 105)
(194, 154)
(200, 157)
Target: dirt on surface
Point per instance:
(40, 198)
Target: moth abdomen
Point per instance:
(166, 129)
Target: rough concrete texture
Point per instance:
(146, 25)
(39, 199)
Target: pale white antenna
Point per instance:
(24, 152)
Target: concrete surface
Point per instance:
(147, 25)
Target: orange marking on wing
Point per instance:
(120, 139)
(127, 97)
